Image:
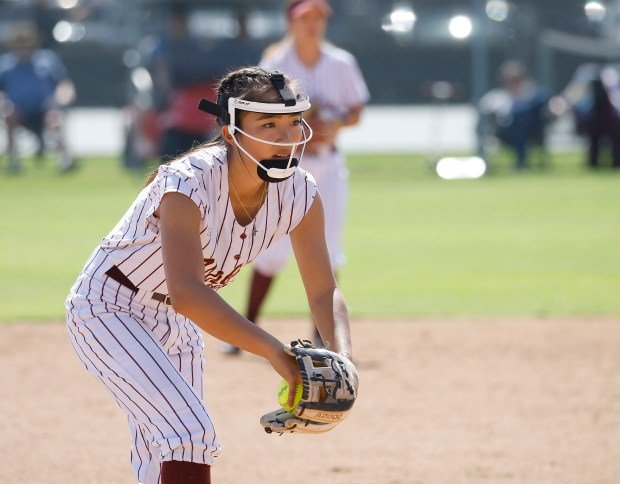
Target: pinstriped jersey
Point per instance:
(134, 245)
(335, 81)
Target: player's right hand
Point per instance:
(286, 366)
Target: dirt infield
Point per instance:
(440, 402)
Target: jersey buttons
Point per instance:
(243, 235)
(237, 257)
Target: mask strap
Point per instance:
(214, 109)
(277, 79)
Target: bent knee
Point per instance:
(196, 441)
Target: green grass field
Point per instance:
(545, 242)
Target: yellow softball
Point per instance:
(283, 395)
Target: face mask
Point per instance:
(272, 170)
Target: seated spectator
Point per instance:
(593, 95)
(183, 72)
(516, 113)
(34, 86)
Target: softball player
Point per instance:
(134, 313)
(333, 80)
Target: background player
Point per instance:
(333, 80)
(133, 313)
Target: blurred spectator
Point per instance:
(243, 51)
(516, 114)
(44, 14)
(162, 119)
(34, 87)
(593, 94)
(183, 73)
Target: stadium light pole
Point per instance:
(479, 59)
(479, 51)
(544, 61)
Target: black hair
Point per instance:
(250, 83)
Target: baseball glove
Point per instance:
(330, 384)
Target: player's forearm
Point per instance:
(207, 309)
(332, 320)
(352, 117)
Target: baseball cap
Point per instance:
(297, 8)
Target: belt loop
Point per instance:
(137, 294)
(162, 298)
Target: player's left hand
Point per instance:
(330, 384)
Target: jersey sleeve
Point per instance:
(304, 193)
(180, 178)
(355, 91)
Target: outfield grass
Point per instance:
(546, 242)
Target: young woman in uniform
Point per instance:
(135, 311)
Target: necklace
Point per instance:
(245, 207)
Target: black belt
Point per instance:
(115, 273)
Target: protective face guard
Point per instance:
(272, 170)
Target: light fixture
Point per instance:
(595, 11)
(460, 27)
(65, 31)
(401, 20)
(67, 4)
(497, 10)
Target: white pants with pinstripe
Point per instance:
(151, 360)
